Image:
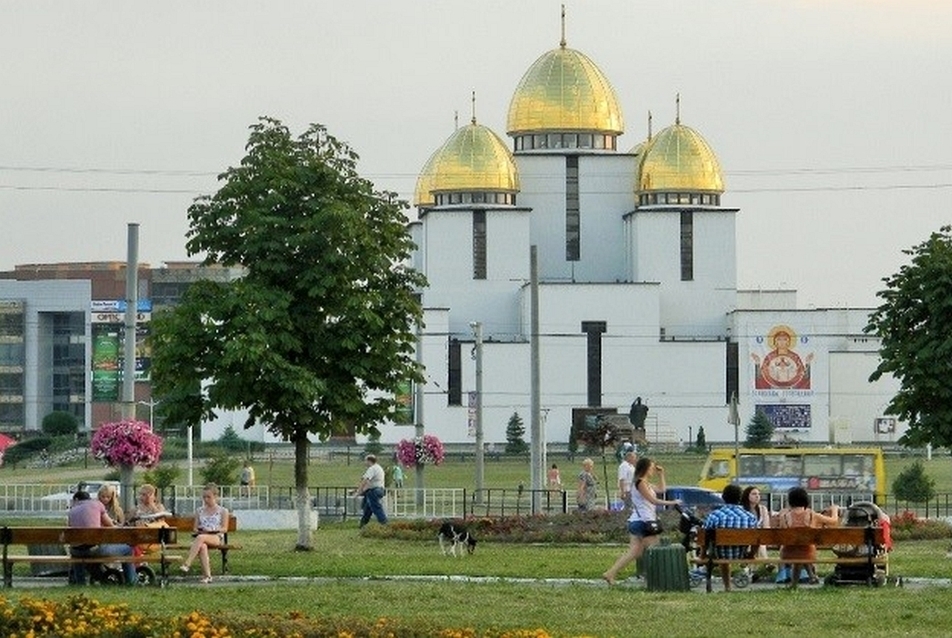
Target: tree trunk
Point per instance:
(301, 447)
(127, 487)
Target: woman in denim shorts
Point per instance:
(644, 500)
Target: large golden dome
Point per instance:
(679, 159)
(473, 159)
(564, 91)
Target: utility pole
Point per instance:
(537, 435)
(480, 455)
(418, 416)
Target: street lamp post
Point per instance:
(151, 404)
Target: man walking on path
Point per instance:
(371, 488)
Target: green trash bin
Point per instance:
(666, 568)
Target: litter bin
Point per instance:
(666, 568)
(47, 569)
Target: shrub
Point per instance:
(914, 485)
(26, 449)
(59, 423)
(220, 469)
(908, 526)
(162, 476)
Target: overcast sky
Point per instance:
(832, 119)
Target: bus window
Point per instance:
(751, 465)
(719, 469)
(825, 465)
(791, 465)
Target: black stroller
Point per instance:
(860, 514)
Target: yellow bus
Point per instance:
(857, 472)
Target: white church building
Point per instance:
(637, 284)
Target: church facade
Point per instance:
(636, 296)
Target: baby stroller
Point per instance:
(862, 514)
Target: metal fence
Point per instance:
(339, 503)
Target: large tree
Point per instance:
(317, 335)
(913, 323)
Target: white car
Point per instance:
(61, 500)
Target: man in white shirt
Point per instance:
(626, 475)
(371, 488)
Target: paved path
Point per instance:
(27, 582)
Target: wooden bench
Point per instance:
(186, 524)
(867, 540)
(163, 537)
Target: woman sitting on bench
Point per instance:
(211, 521)
(799, 514)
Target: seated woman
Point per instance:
(147, 510)
(107, 496)
(799, 514)
(211, 521)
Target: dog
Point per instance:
(455, 537)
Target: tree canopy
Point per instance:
(318, 333)
(913, 323)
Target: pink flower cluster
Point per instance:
(127, 443)
(425, 450)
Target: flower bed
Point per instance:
(82, 617)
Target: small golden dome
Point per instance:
(423, 195)
(472, 159)
(564, 91)
(678, 159)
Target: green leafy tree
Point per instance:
(759, 431)
(515, 435)
(916, 348)
(913, 484)
(59, 423)
(317, 337)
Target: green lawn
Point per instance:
(352, 573)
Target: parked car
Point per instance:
(65, 498)
(699, 499)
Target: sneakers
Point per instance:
(206, 580)
(183, 568)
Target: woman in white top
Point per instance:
(211, 521)
(644, 500)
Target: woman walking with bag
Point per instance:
(643, 525)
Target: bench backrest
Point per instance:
(86, 535)
(819, 536)
(187, 523)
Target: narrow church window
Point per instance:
(454, 376)
(687, 246)
(572, 221)
(479, 244)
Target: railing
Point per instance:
(338, 503)
(514, 502)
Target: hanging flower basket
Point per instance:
(127, 443)
(425, 450)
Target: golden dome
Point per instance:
(679, 159)
(472, 159)
(564, 91)
(423, 195)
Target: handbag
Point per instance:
(652, 528)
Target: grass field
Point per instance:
(360, 577)
(366, 577)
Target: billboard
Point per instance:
(108, 347)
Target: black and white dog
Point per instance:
(453, 536)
